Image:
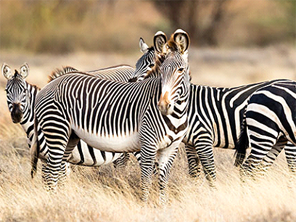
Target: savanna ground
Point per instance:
(108, 194)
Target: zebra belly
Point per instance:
(110, 143)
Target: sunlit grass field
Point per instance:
(109, 194)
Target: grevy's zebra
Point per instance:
(270, 122)
(215, 115)
(21, 98)
(114, 116)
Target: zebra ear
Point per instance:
(6, 71)
(181, 37)
(159, 41)
(24, 70)
(143, 46)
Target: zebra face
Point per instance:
(174, 71)
(145, 63)
(16, 91)
(174, 82)
(16, 94)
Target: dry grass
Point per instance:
(113, 195)
(107, 194)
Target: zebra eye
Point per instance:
(151, 65)
(180, 70)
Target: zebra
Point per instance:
(150, 115)
(215, 115)
(270, 122)
(21, 98)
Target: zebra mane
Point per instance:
(60, 72)
(155, 70)
(171, 46)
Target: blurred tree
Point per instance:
(200, 18)
(290, 8)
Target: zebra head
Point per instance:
(16, 91)
(145, 63)
(174, 71)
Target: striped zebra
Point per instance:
(215, 115)
(21, 98)
(270, 122)
(150, 116)
(214, 118)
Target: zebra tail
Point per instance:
(35, 149)
(241, 145)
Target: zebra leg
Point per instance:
(290, 151)
(52, 169)
(260, 147)
(65, 166)
(64, 172)
(155, 166)
(56, 148)
(138, 156)
(269, 159)
(121, 161)
(206, 156)
(193, 161)
(148, 154)
(166, 159)
(43, 169)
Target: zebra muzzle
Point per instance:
(16, 113)
(165, 106)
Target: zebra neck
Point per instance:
(28, 115)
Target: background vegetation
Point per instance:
(63, 26)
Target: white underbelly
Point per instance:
(110, 143)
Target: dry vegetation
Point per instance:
(63, 26)
(113, 195)
(109, 194)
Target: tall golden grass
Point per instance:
(108, 194)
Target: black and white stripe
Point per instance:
(215, 116)
(270, 122)
(117, 117)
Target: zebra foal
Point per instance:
(150, 116)
(270, 123)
